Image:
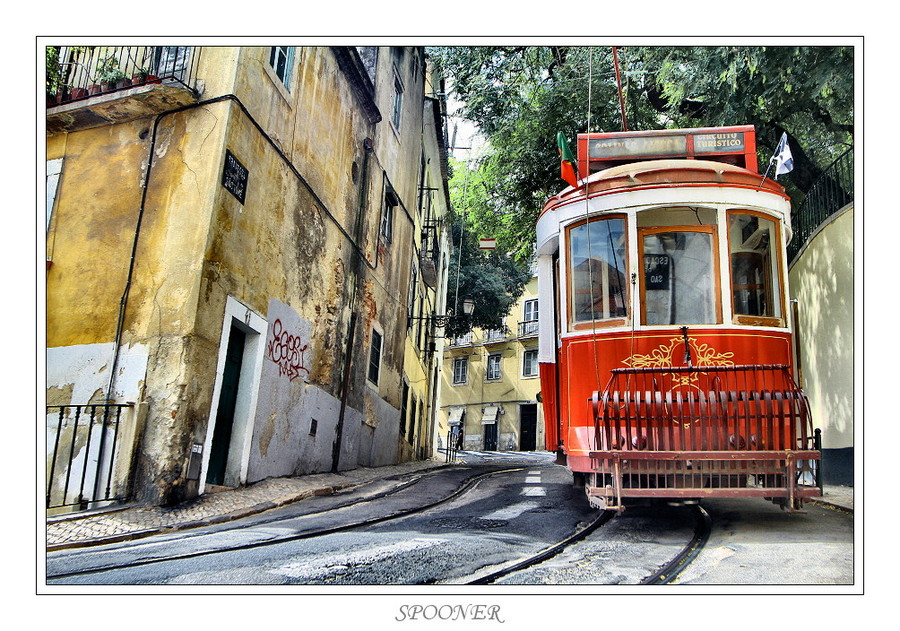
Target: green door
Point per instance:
(218, 455)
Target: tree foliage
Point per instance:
(491, 278)
(520, 97)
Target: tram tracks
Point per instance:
(665, 574)
(146, 554)
(466, 485)
(670, 571)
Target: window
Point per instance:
(755, 286)
(531, 310)
(387, 217)
(530, 317)
(375, 357)
(404, 396)
(397, 101)
(530, 363)
(493, 367)
(281, 58)
(597, 270)
(679, 279)
(54, 168)
(460, 370)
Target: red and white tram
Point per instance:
(666, 354)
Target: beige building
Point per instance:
(235, 239)
(490, 385)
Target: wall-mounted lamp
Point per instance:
(468, 307)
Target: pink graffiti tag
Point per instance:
(285, 350)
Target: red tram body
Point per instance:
(666, 354)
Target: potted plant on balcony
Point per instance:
(142, 75)
(109, 74)
(55, 87)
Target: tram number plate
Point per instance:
(656, 271)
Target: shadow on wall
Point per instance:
(823, 283)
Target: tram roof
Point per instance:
(659, 173)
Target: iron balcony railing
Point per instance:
(528, 328)
(80, 72)
(82, 441)
(831, 192)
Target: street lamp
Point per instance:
(468, 307)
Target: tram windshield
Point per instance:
(598, 270)
(679, 276)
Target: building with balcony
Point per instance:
(236, 237)
(490, 385)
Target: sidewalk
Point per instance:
(836, 496)
(135, 521)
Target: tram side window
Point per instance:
(756, 291)
(597, 270)
(679, 276)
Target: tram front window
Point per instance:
(679, 276)
(599, 289)
(754, 267)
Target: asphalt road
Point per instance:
(500, 517)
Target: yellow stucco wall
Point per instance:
(822, 281)
(510, 391)
(306, 236)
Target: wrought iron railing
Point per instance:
(831, 192)
(529, 328)
(81, 456)
(79, 72)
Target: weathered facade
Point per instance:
(231, 249)
(490, 385)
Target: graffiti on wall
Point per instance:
(286, 350)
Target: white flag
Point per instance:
(783, 159)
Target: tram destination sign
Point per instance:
(719, 142)
(734, 145)
(636, 146)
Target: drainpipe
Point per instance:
(353, 284)
(123, 302)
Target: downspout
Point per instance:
(123, 302)
(353, 295)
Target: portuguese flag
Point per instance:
(568, 170)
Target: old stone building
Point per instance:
(242, 245)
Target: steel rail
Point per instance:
(546, 553)
(466, 486)
(670, 571)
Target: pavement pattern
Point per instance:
(135, 521)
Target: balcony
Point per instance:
(495, 336)
(89, 86)
(528, 329)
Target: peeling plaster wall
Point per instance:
(80, 374)
(284, 441)
(286, 250)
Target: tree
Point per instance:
(491, 278)
(520, 97)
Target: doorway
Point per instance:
(490, 436)
(221, 441)
(528, 426)
(233, 407)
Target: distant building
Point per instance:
(490, 386)
(236, 238)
